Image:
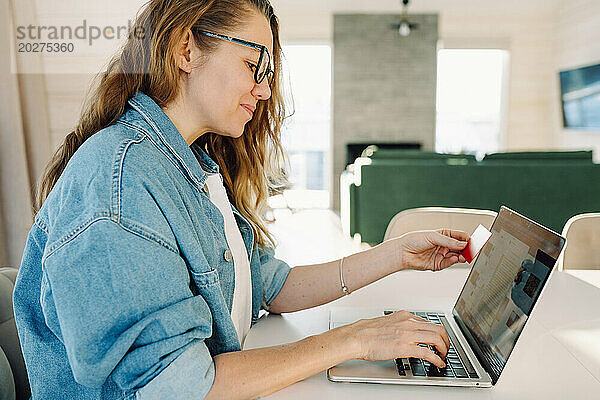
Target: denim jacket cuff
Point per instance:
(189, 376)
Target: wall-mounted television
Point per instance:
(580, 96)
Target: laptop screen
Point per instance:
(503, 286)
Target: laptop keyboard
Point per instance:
(455, 367)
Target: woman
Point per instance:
(139, 278)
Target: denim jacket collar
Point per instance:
(163, 130)
(207, 163)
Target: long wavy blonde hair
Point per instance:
(251, 165)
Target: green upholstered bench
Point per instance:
(579, 155)
(549, 188)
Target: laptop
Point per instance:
(492, 309)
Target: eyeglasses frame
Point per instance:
(263, 49)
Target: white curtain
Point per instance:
(24, 134)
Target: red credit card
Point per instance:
(478, 239)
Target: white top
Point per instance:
(241, 309)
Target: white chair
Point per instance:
(583, 241)
(418, 219)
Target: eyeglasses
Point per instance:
(262, 68)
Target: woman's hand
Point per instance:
(431, 250)
(398, 336)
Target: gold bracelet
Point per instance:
(344, 288)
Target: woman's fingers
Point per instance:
(443, 261)
(399, 335)
(426, 354)
(405, 315)
(419, 324)
(432, 339)
(458, 256)
(402, 314)
(460, 235)
(437, 330)
(449, 261)
(441, 239)
(417, 318)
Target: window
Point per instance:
(470, 98)
(306, 135)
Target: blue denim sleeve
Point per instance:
(123, 308)
(274, 272)
(179, 380)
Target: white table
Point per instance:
(587, 275)
(556, 357)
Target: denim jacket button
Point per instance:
(228, 256)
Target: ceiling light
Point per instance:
(404, 28)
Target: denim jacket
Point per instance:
(124, 269)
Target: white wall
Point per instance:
(68, 75)
(526, 29)
(542, 36)
(527, 37)
(577, 44)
